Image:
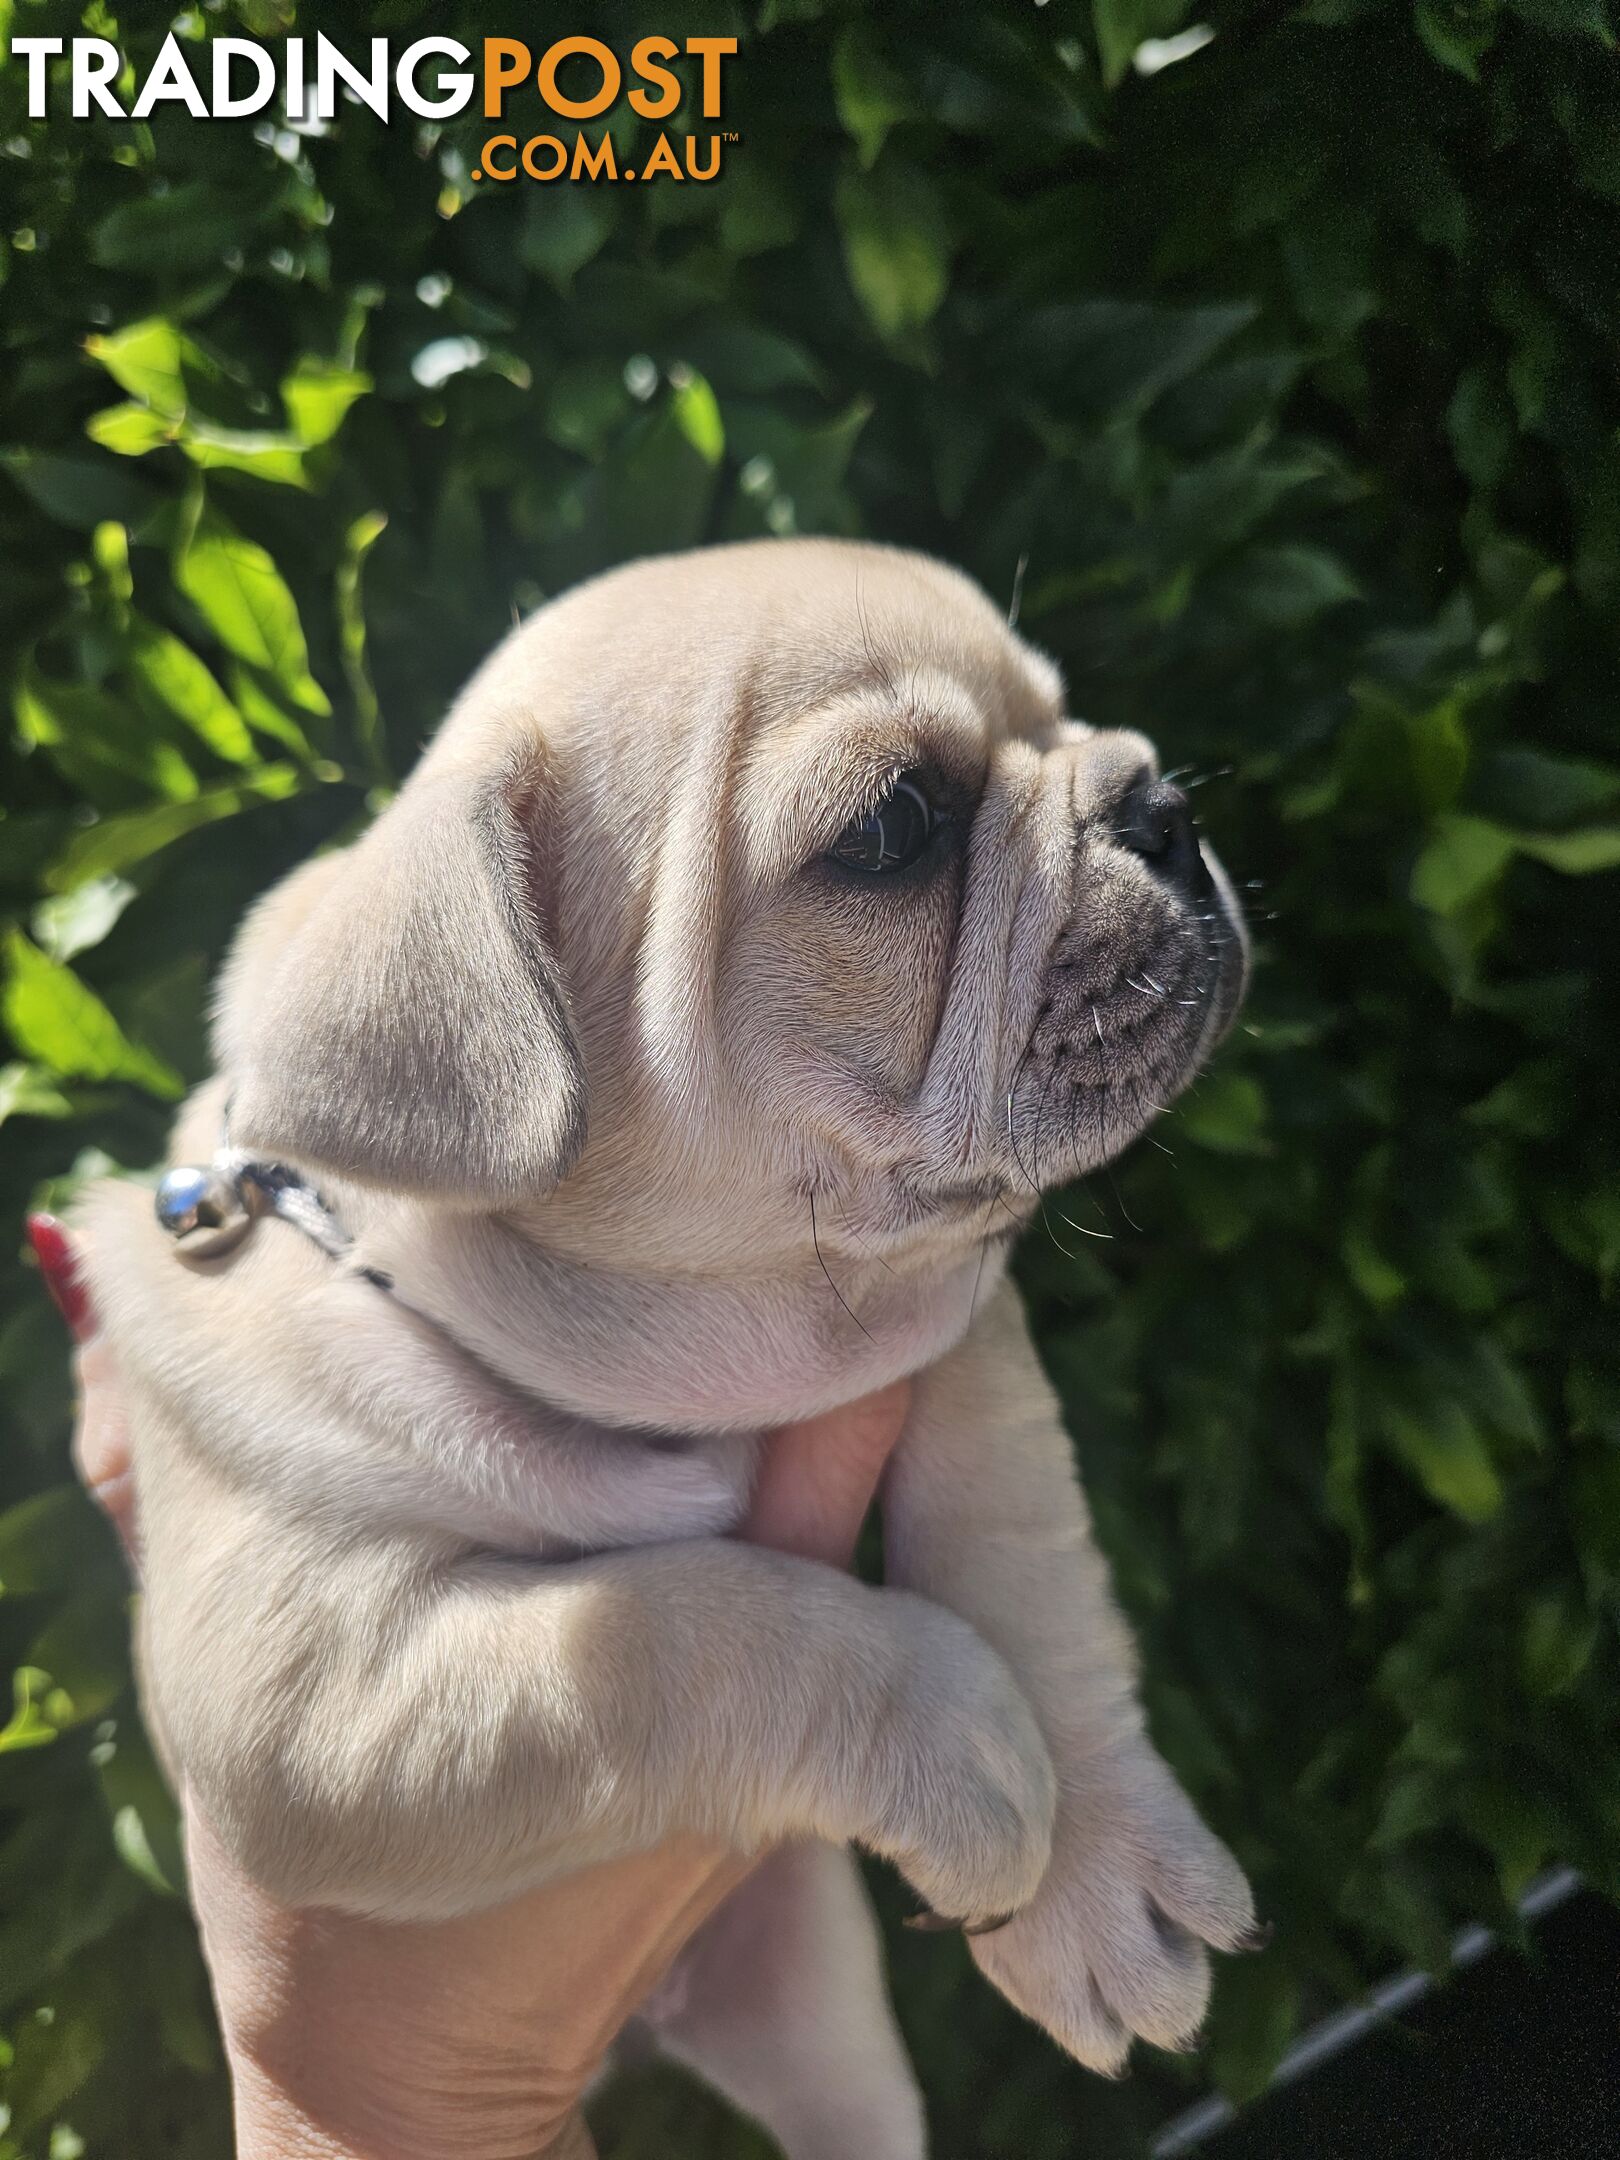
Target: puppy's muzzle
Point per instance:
(1155, 820)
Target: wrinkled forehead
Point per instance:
(898, 634)
(751, 642)
(781, 683)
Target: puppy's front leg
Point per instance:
(983, 1511)
(415, 1733)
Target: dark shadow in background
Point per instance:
(1516, 2059)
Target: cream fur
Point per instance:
(592, 1053)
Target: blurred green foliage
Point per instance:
(1285, 378)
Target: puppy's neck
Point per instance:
(699, 1353)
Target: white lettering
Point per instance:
(296, 87)
(371, 90)
(235, 105)
(455, 90)
(36, 51)
(170, 78)
(95, 65)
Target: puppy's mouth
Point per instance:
(1124, 1023)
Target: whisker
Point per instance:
(1012, 1132)
(827, 1271)
(978, 1273)
(879, 669)
(1123, 1209)
(1080, 1229)
(1067, 1221)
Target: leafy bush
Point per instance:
(1283, 379)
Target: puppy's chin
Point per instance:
(1123, 1026)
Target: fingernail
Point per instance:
(1258, 1936)
(59, 1264)
(933, 1923)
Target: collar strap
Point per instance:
(208, 1209)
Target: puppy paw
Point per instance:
(1113, 1946)
(971, 1790)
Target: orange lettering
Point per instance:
(711, 50)
(506, 61)
(644, 58)
(580, 108)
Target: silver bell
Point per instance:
(202, 1211)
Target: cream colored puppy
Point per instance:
(681, 1053)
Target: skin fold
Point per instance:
(656, 1124)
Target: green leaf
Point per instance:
(145, 1828)
(1523, 786)
(275, 458)
(119, 843)
(872, 95)
(1463, 859)
(59, 1022)
(1479, 421)
(1576, 854)
(1226, 1112)
(1380, 1282)
(1288, 585)
(30, 1724)
(1449, 1456)
(25, 1091)
(1123, 25)
(109, 551)
(252, 699)
(134, 1847)
(564, 228)
(240, 594)
(1556, 1644)
(87, 733)
(49, 1542)
(84, 1646)
(896, 248)
(77, 491)
(1457, 32)
(358, 542)
(74, 921)
(318, 396)
(147, 359)
(697, 415)
(187, 231)
(168, 678)
(131, 430)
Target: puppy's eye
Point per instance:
(893, 833)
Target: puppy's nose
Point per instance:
(1154, 820)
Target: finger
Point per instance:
(819, 1475)
(59, 1264)
(102, 1454)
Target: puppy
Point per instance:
(678, 1055)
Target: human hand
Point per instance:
(356, 2039)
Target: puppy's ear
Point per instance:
(412, 1030)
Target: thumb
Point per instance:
(818, 1477)
(101, 1449)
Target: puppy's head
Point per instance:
(748, 897)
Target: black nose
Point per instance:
(1155, 821)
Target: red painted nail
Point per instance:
(59, 1264)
